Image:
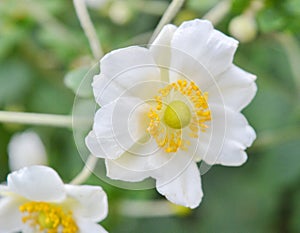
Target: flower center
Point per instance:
(177, 115)
(49, 218)
(179, 106)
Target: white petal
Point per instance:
(37, 183)
(194, 44)
(92, 144)
(27, 229)
(147, 160)
(232, 154)
(10, 216)
(100, 83)
(26, 149)
(184, 188)
(235, 87)
(117, 127)
(228, 135)
(4, 190)
(160, 49)
(92, 201)
(87, 226)
(125, 72)
(137, 164)
(237, 126)
(116, 171)
(121, 169)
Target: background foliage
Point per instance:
(42, 41)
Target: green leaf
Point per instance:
(79, 82)
(295, 223)
(270, 20)
(238, 6)
(48, 98)
(14, 82)
(292, 6)
(203, 5)
(279, 166)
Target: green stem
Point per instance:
(36, 119)
(90, 32)
(150, 209)
(63, 121)
(151, 7)
(86, 171)
(47, 21)
(275, 137)
(88, 28)
(169, 14)
(292, 49)
(218, 12)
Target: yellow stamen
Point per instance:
(46, 217)
(177, 115)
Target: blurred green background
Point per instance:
(42, 41)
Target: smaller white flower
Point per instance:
(26, 149)
(35, 200)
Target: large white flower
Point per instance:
(35, 200)
(167, 107)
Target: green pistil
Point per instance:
(177, 115)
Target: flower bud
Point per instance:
(26, 149)
(243, 28)
(119, 12)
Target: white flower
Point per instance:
(26, 149)
(36, 200)
(167, 107)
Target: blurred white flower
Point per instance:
(165, 108)
(35, 200)
(243, 27)
(26, 149)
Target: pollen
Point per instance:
(178, 106)
(48, 218)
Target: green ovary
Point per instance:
(46, 222)
(177, 115)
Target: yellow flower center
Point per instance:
(177, 115)
(46, 217)
(179, 105)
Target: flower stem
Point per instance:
(88, 28)
(36, 119)
(86, 171)
(169, 14)
(276, 137)
(292, 49)
(151, 7)
(90, 32)
(218, 12)
(48, 21)
(150, 209)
